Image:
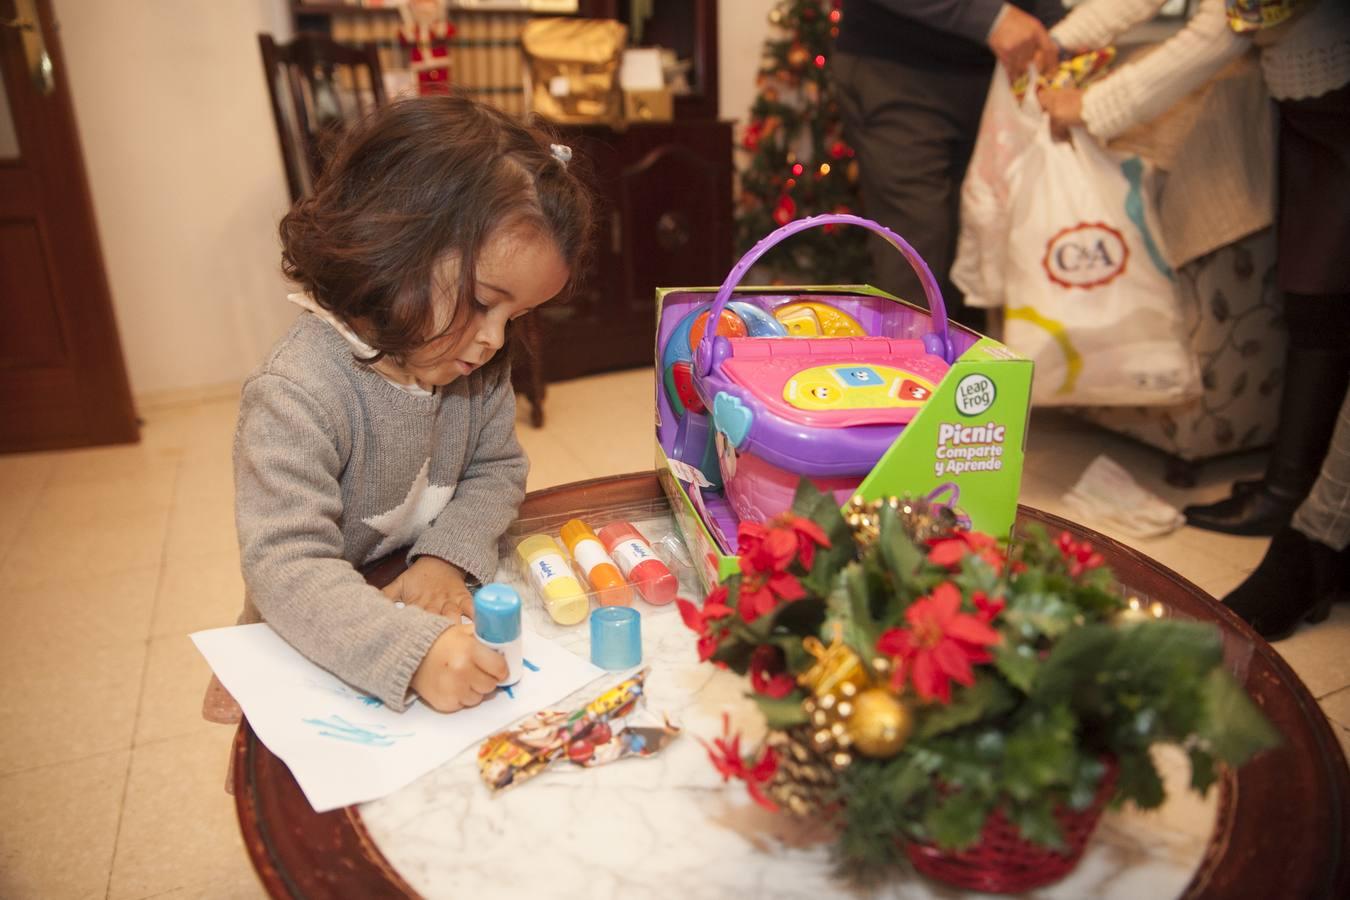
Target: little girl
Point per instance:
(382, 420)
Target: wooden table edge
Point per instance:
(364, 864)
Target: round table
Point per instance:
(1281, 827)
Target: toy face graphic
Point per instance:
(855, 387)
(811, 318)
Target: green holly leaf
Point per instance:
(1039, 752)
(903, 559)
(1203, 773)
(1166, 651)
(955, 822)
(986, 698)
(1075, 658)
(782, 712)
(1138, 780)
(1035, 820)
(851, 609)
(1018, 663)
(1040, 612)
(1232, 727)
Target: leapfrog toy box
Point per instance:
(856, 390)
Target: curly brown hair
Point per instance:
(417, 182)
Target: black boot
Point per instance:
(1297, 579)
(1312, 376)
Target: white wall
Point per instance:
(187, 180)
(742, 26)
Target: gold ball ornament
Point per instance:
(797, 56)
(880, 724)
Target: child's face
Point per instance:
(518, 269)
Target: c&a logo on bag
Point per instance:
(1088, 255)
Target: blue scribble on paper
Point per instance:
(342, 730)
(507, 689)
(529, 665)
(343, 691)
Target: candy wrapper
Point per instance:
(593, 735)
(1076, 72)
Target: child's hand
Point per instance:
(458, 671)
(434, 585)
(1064, 106)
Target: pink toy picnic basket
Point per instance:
(826, 406)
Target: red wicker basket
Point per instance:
(1003, 862)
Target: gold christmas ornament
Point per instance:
(835, 666)
(922, 521)
(797, 56)
(880, 724)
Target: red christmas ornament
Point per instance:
(785, 211)
(838, 150)
(753, 132)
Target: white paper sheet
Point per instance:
(345, 747)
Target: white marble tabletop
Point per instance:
(668, 827)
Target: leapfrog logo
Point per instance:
(1088, 255)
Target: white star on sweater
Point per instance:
(405, 523)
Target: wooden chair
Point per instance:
(318, 87)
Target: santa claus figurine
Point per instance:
(426, 33)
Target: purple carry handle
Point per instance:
(935, 342)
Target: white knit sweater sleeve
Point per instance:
(1143, 90)
(1096, 23)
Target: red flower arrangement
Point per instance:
(927, 666)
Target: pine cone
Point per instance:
(804, 784)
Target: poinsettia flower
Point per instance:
(1080, 555)
(725, 753)
(940, 645)
(988, 608)
(700, 621)
(949, 551)
(768, 675)
(761, 595)
(809, 536)
(774, 548)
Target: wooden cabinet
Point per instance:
(663, 193)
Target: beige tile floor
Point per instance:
(110, 783)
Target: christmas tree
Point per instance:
(799, 164)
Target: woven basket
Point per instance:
(1003, 862)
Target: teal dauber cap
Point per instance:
(616, 637)
(496, 613)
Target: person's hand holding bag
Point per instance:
(1064, 106)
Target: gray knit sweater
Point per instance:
(335, 467)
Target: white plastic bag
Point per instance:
(1090, 297)
(1006, 130)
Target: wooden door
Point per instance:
(63, 382)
